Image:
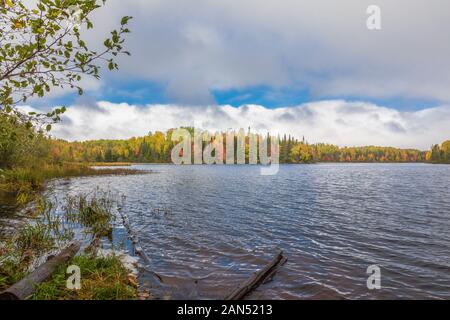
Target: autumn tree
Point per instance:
(42, 48)
(445, 148)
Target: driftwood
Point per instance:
(137, 247)
(258, 278)
(134, 239)
(25, 287)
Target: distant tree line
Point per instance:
(21, 146)
(439, 153)
(295, 151)
(156, 148)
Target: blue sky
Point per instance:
(279, 54)
(142, 92)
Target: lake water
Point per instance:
(208, 228)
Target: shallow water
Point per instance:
(208, 228)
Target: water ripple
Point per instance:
(332, 221)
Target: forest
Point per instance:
(29, 156)
(45, 51)
(156, 148)
(439, 153)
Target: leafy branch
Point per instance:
(42, 48)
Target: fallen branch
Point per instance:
(258, 278)
(26, 287)
(137, 247)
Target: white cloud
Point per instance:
(90, 85)
(338, 122)
(194, 46)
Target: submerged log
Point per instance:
(134, 239)
(137, 247)
(258, 278)
(26, 287)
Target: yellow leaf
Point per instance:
(9, 3)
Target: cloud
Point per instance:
(337, 121)
(89, 85)
(196, 46)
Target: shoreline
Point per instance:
(129, 164)
(90, 214)
(33, 220)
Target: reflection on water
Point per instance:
(7, 205)
(207, 228)
(9, 218)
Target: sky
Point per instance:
(308, 68)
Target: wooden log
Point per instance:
(274, 270)
(134, 239)
(258, 278)
(137, 247)
(26, 287)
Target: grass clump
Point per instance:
(44, 234)
(49, 231)
(94, 213)
(10, 270)
(102, 278)
(24, 183)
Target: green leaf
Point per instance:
(53, 64)
(125, 20)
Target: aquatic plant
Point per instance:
(25, 183)
(51, 229)
(103, 278)
(94, 212)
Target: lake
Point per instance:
(208, 228)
